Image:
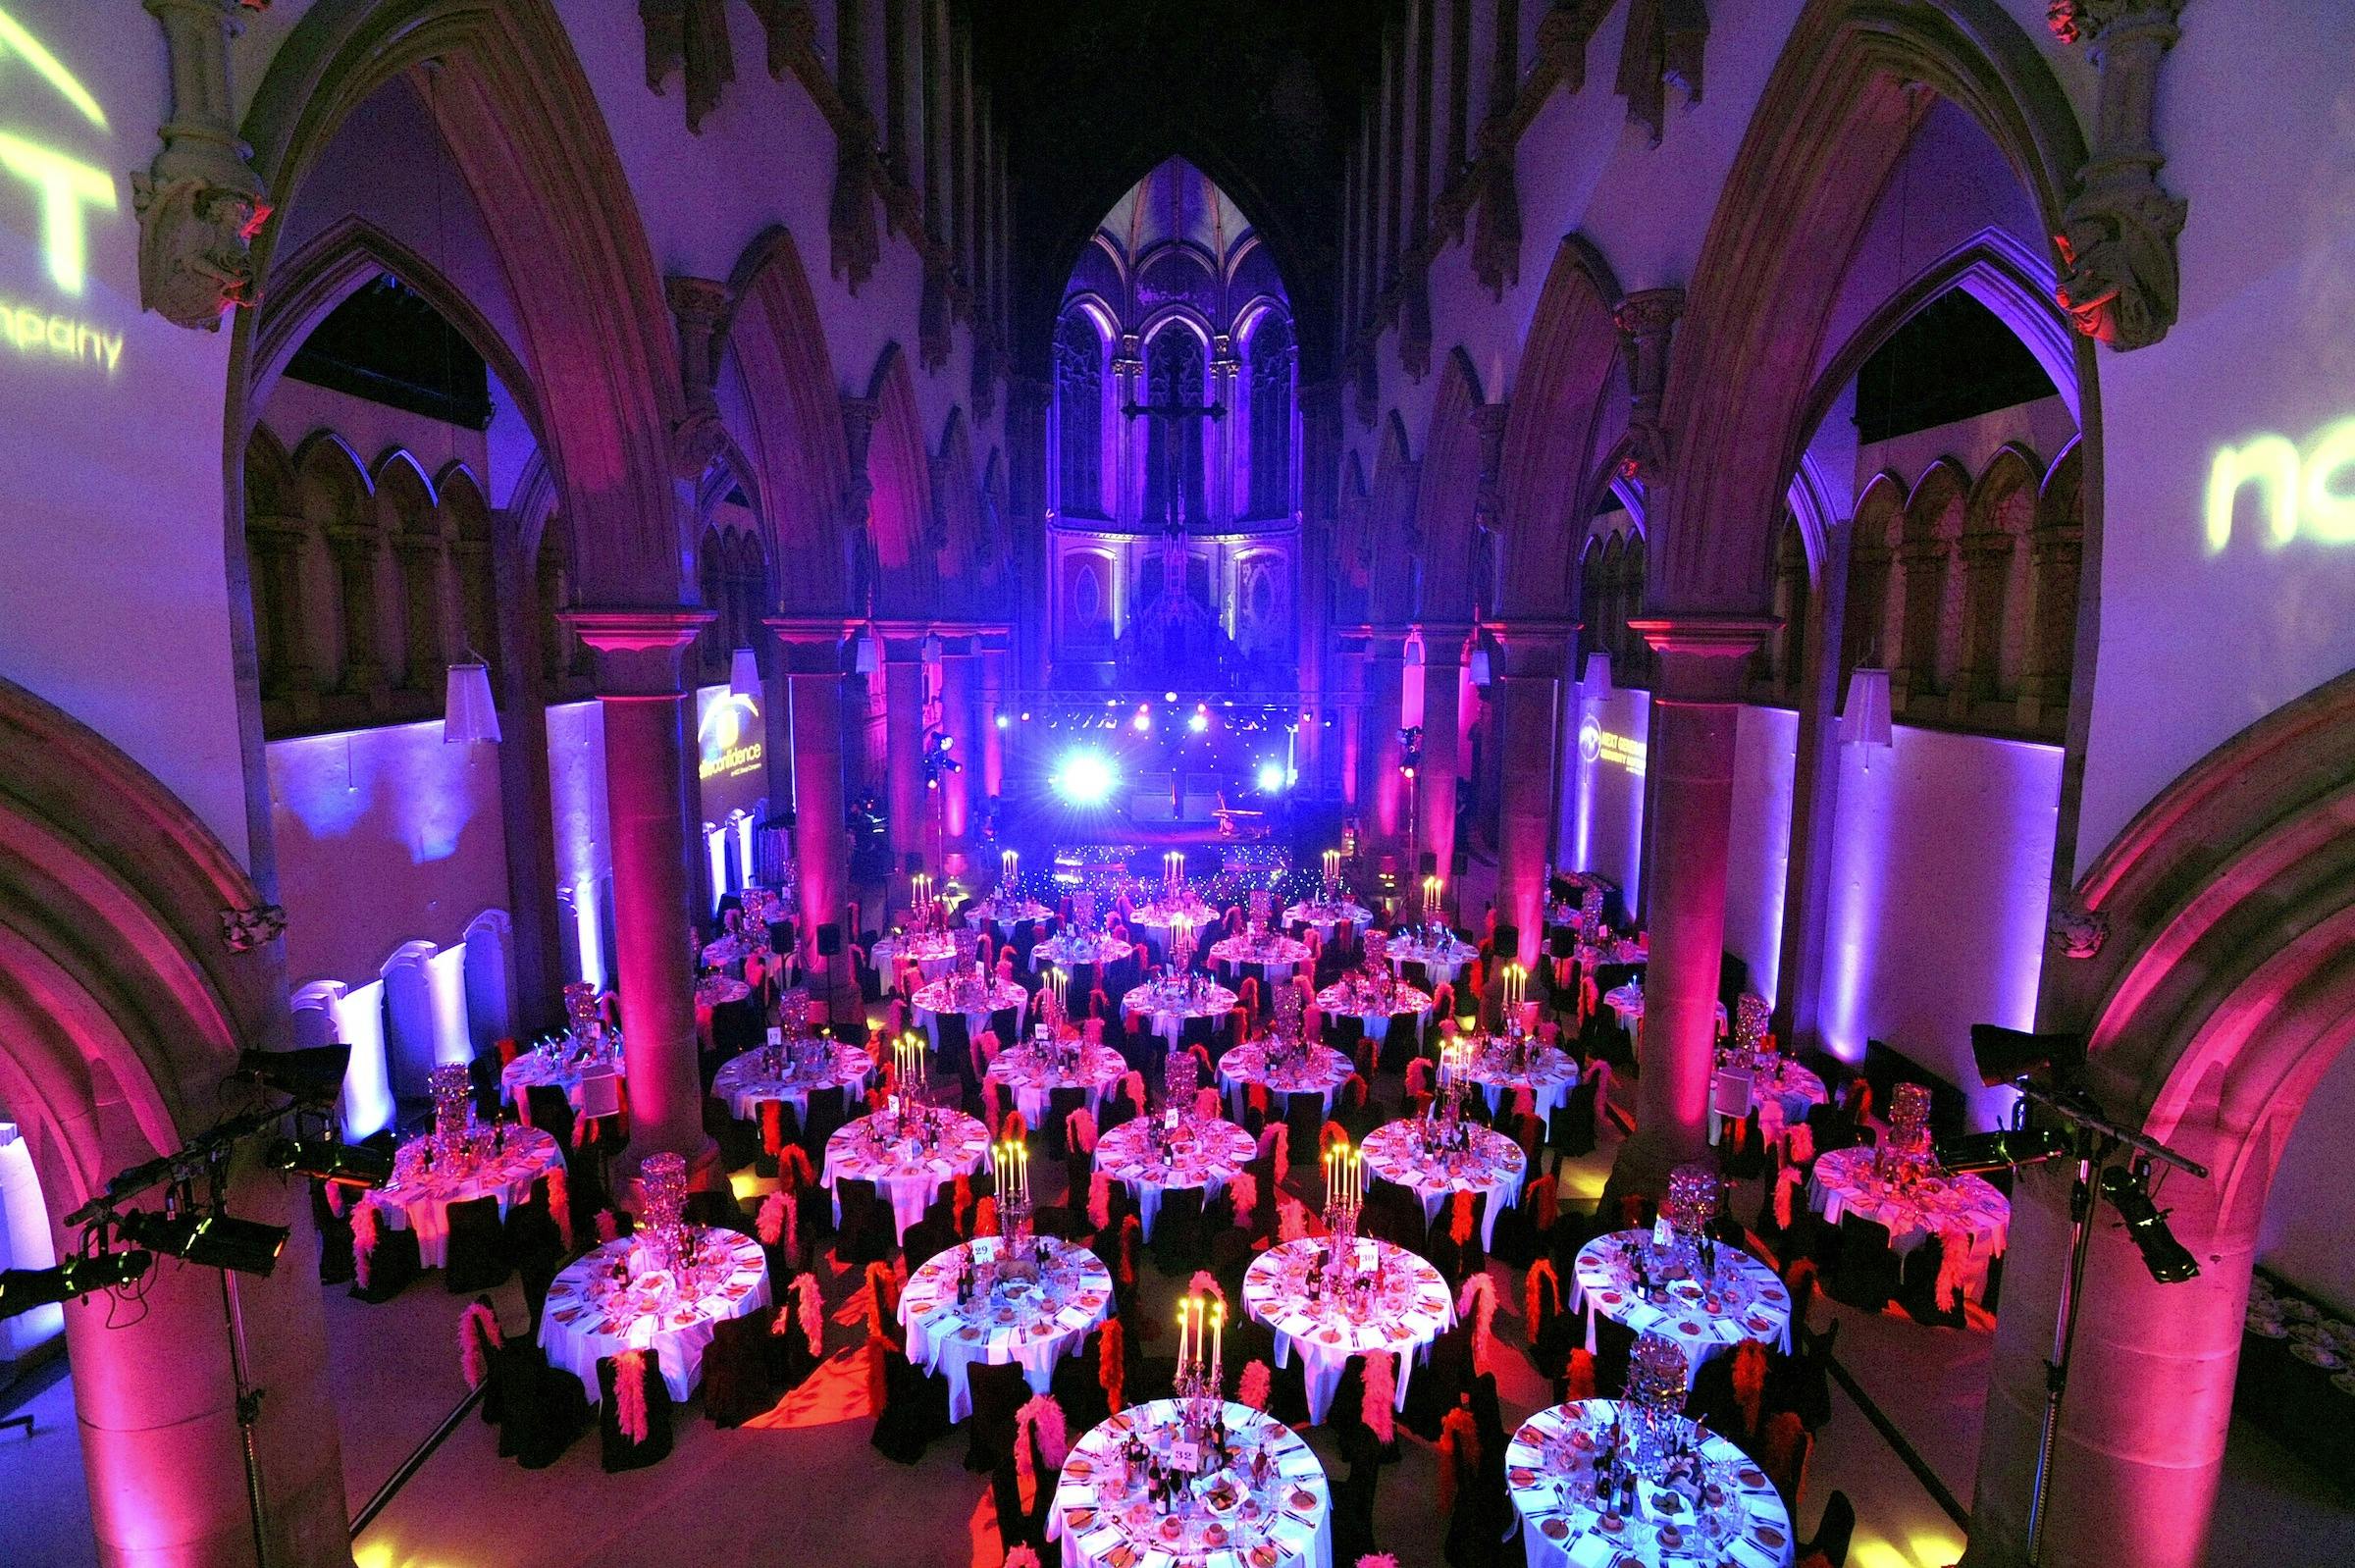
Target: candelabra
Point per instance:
(1344, 1191)
(1198, 1386)
(452, 1091)
(663, 1178)
(1654, 1401)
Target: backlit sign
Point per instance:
(730, 739)
(2309, 493)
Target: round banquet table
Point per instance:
(1410, 1309)
(1493, 1165)
(1202, 1154)
(1105, 1522)
(1440, 961)
(1170, 1006)
(1273, 951)
(1324, 916)
(1551, 1461)
(1796, 1086)
(745, 1082)
(1033, 1326)
(1753, 1305)
(1548, 1077)
(962, 995)
(910, 1175)
(714, 991)
(931, 952)
(530, 1067)
(1844, 1182)
(1373, 1005)
(1034, 1080)
(591, 1315)
(1008, 913)
(722, 952)
(422, 1203)
(1628, 1002)
(1072, 949)
(1322, 1072)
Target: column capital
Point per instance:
(1533, 648)
(813, 646)
(1702, 653)
(638, 650)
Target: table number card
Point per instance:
(1185, 1456)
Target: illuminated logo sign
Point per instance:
(2310, 493)
(66, 190)
(1598, 744)
(730, 738)
(1589, 740)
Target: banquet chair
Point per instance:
(1402, 1041)
(541, 1409)
(736, 1385)
(1917, 1286)
(1304, 1114)
(786, 1357)
(739, 1142)
(334, 1236)
(736, 1027)
(1483, 1520)
(718, 1207)
(1784, 1452)
(1181, 1242)
(536, 1243)
(1833, 1531)
(1007, 1024)
(999, 1391)
(619, 1451)
(927, 1239)
(829, 1108)
(478, 1250)
(1614, 1341)
(1061, 1103)
(1802, 1382)
(545, 1107)
(1743, 1153)
(1078, 1387)
(483, 1071)
(956, 1053)
(1442, 1380)
(865, 1232)
(1865, 1274)
(1343, 1031)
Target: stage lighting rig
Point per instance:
(938, 763)
(2128, 1189)
(354, 1165)
(313, 1076)
(211, 1240)
(22, 1289)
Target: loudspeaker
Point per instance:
(829, 940)
(912, 863)
(1430, 862)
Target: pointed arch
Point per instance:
(1844, 99)
(966, 565)
(902, 528)
(1460, 567)
(1395, 536)
(1997, 521)
(1353, 560)
(776, 367)
(1564, 380)
(523, 125)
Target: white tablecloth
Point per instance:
(1070, 949)
(1411, 1310)
(744, 1082)
(1795, 1086)
(1549, 1077)
(932, 952)
(1033, 1081)
(1274, 952)
(1628, 1002)
(1008, 913)
(423, 1205)
(1170, 1006)
(1373, 1005)
(978, 1005)
(1034, 1325)
(908, 1176)
(1096, 1513)
(1440, 961)
(1753, 1303)
(538, 1067)
(1844, 1183)
(1324, 916)
(1322, 1072)
(1545, 1464)
(591, 1315)
(1203, 1154)
(1493, 1165)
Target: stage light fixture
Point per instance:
(209, 1240)
(2130, 1193)
(1025, 715)
(1084, 777)
(1005, 723)
(1199, 723)
(22, 1289)
(354, 1165)
(1168, 697)
(1143, 720)
(2000, 1150)
(313, 1075)
(1270, 777)
(2006, 1056)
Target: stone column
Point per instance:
(355, 548)
(957, 788)
(524, 791)
(996, 702)
(1385, 794)
(811, 678)
(644, 708)
(1434, 789)
(1695, 697)
(1350, 699)
(905, 794)
(1528, 693)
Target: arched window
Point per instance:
(1271, 417)
(1792, 603)
(564, 657)
(711, 645)
(1930, 636)
(1637, 657)
(1079, 417)
(2055, 550)
(277, 540)
(1590, 632)
(1173, 380)
(1995, 561)
(1865, 637)
(335, 503)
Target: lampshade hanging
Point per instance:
(744, 675)
(1598, 680)
(867, 655)
(468, 714)
(1864, 721)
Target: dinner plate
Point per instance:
(2314, 1355)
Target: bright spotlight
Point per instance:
(1143, 720)
(1199, 723)
(1004, 722)
(1168, 697)
(1084, 778)
(1270, 777)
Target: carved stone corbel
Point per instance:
(1497, 221)
(1663, 45)
(2119, 281)
(199, 204)
(244, 930)
(2075, 931)
(691, 37)
(1645, 319)
(699, 306)
(858, 416)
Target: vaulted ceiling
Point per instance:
(1262, 95)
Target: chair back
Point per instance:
(1728, 1092)
(621, 1450)
(478, 1248)
(600, 1094)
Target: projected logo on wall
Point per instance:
(1598, 744)
(2309, 493)
(730, 738)
(64, 189)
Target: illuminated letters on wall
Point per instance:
(2311, 494)
(64, 189)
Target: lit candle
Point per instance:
(1218, 1337)
(1183, 1318)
